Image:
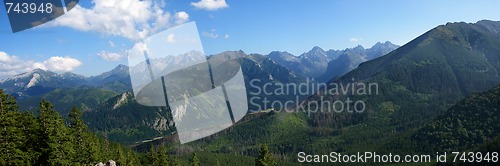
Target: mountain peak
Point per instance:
(121, 67)
(317, 49)
(315, 53)
(359, 47)
(38, 70)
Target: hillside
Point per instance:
(426, 76)
(468, 124)
(84, 98)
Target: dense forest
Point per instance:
(48, 139)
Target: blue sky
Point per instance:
(257, 26)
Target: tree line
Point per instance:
(46, 138)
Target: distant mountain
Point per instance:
(350, 59)
(261, 72)
(117, 80)
(325, 65)
(380, 49)
(39, 82)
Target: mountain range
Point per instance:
(39, 82)
(326, 65)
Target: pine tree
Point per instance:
(82, 140)
(195, 160)
(153, 157)
(265, 158)
(12, 133)
(54, 138)
(162, 156)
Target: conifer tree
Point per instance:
(195, 160)
(163, 156)
(265, 158)
(153, 157)
(81, 140)
(55, 142)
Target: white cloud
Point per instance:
(210, 4)
(226, 36)
(6, 58)
(210, 34)
(63, 64)
(181, 17)
(132, 19)
(110, 56)
(12, 65)
(355, 39)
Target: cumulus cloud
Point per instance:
(63, 64)
(355, 39)
(181, 17)
(132, 19)
(226, 36)
(6, 58)
(210, 34)
(210, 4)
(110, 56)
(11, 65)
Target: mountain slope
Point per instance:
(84, 98)
(117, 80)
(468, 124)
(122, 120)
(438, 68)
